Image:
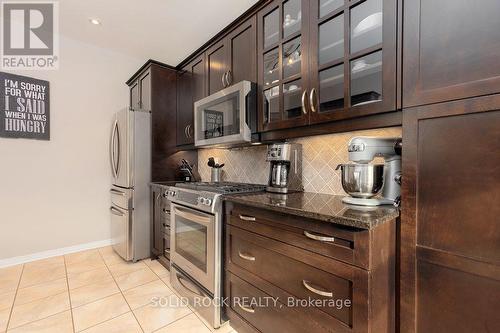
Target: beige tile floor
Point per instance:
(92, 291)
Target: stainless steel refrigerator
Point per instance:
(130, 161)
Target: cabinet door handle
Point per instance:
(247, 218)
(318, 237)
(224, 80)
(316, 291)
(312, 99)
(244, 308)
(245, 256)
(229, 78)
(186, 131)
(304, 109)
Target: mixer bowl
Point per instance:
(362, 180)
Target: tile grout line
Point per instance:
(34, 321)
(14, 300)
(69, 295)
(121, 292)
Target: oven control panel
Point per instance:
(198, 199)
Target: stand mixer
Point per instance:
(363, 181)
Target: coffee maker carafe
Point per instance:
(285, 170)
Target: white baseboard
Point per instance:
(53, 253)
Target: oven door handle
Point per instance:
(192, 215)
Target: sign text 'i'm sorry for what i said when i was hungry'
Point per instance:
(24, 107)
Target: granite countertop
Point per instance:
(165, 183)
(323, 207)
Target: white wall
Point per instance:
(54, 194)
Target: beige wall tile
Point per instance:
(36, 310)
(93, 292)
(143, 295)
(60, 323)
(42, 290)
(126, 267)
(77, 280)
(188, 324)
(135, 279)
(99, 311)
(321, 154)
(125, 323)
(9, 278)
(153, 317)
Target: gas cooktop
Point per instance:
(222, 187)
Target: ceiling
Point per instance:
(163, 30)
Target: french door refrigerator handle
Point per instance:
(112, 149)
(117, 172)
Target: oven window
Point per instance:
(220, 117)
(191, 242)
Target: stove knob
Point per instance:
(208, 202)
(201, 200)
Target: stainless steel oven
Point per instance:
(226, 118)
(193, 244)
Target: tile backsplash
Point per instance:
(320, 155)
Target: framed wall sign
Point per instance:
(24, 107)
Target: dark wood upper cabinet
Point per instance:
(190, 88)
(325, 60)
(233, 58)
(145, 89)
(242, 52)
(134, 95)
(282, 53)
(216, 67)
(450, 50)
(140, 92)
(353, 58)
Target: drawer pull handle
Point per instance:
(246, 256)
(318, 237)
(244, 308)
(316, 291)
(247, 218)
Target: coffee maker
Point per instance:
(285, 169)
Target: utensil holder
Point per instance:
(215, 175)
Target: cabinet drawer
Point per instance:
(297, 278)
(346, 244)
(263, 312)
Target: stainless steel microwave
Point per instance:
(226, 118)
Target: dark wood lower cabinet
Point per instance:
(297, 286)
(160, 225)
(450, 231)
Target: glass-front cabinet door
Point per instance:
(282, 57)
(353, 58)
